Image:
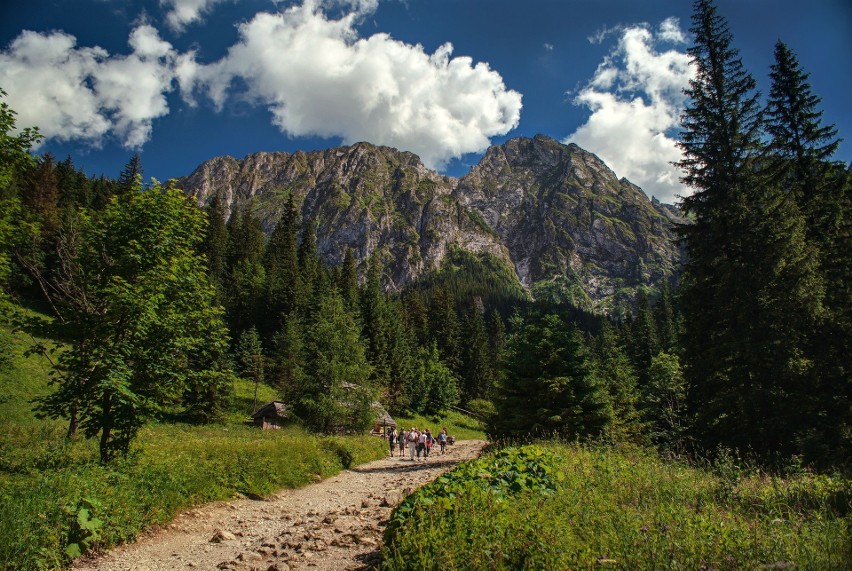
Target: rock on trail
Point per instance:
(332, 525)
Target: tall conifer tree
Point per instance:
(246, 276)
(750, 290)
(215, 245)
(476, 364)
(799, 158)
(281, 263)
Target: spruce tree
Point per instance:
(476, 369)
(435, 388)
(130, 179)
(549, 386)
(215, 245)
(41, 196)
(310, 271)
(336, 394)
(618, 376)
(666, 320)
(75, 188)
(644, 340)
(375, 321)
(663, 403)
(445, 328)
(800, 143)
(749, 291)
(287, 360)
(246, 276)
(348, 280)
(799, 158)
(282, 269)
(251, 357)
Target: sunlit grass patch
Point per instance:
(623, 510)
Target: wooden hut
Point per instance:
(271, 415)
(383, 419)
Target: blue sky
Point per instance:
(182, 81)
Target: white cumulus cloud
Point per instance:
(86, 94)
(636, 100)
(317, 76)
(183, 12)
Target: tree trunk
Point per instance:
(73, 422)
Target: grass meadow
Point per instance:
(559, 506)
(57, 500)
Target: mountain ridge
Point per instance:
(554, 213)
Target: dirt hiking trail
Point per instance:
(333, 525)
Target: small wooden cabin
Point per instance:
(272, 415)
(384, 422)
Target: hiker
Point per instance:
(429, 442)
(400, 438)
(412, 442)
(442, 439)
(421, 445)
(392, 440)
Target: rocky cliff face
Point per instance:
(554, 213)
(368, 198)
(574, 231)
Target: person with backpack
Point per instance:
(392, 440)
(401, 442)
(429, 442)
(421, 444)
(442, 439)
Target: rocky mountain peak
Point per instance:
(553, 213)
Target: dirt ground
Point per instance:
(332, 525)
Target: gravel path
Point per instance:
(332, 525)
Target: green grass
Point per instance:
(57, 499)
(573, 507)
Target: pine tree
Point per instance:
(282, 268)
(749, 289)
(130, 179)
(246, 276)
(800, 144)
(617, 374)
(799, 156)
(348, 281)
(215, 245)
(476, 369)
(550, 386)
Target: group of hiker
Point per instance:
(420, 443)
